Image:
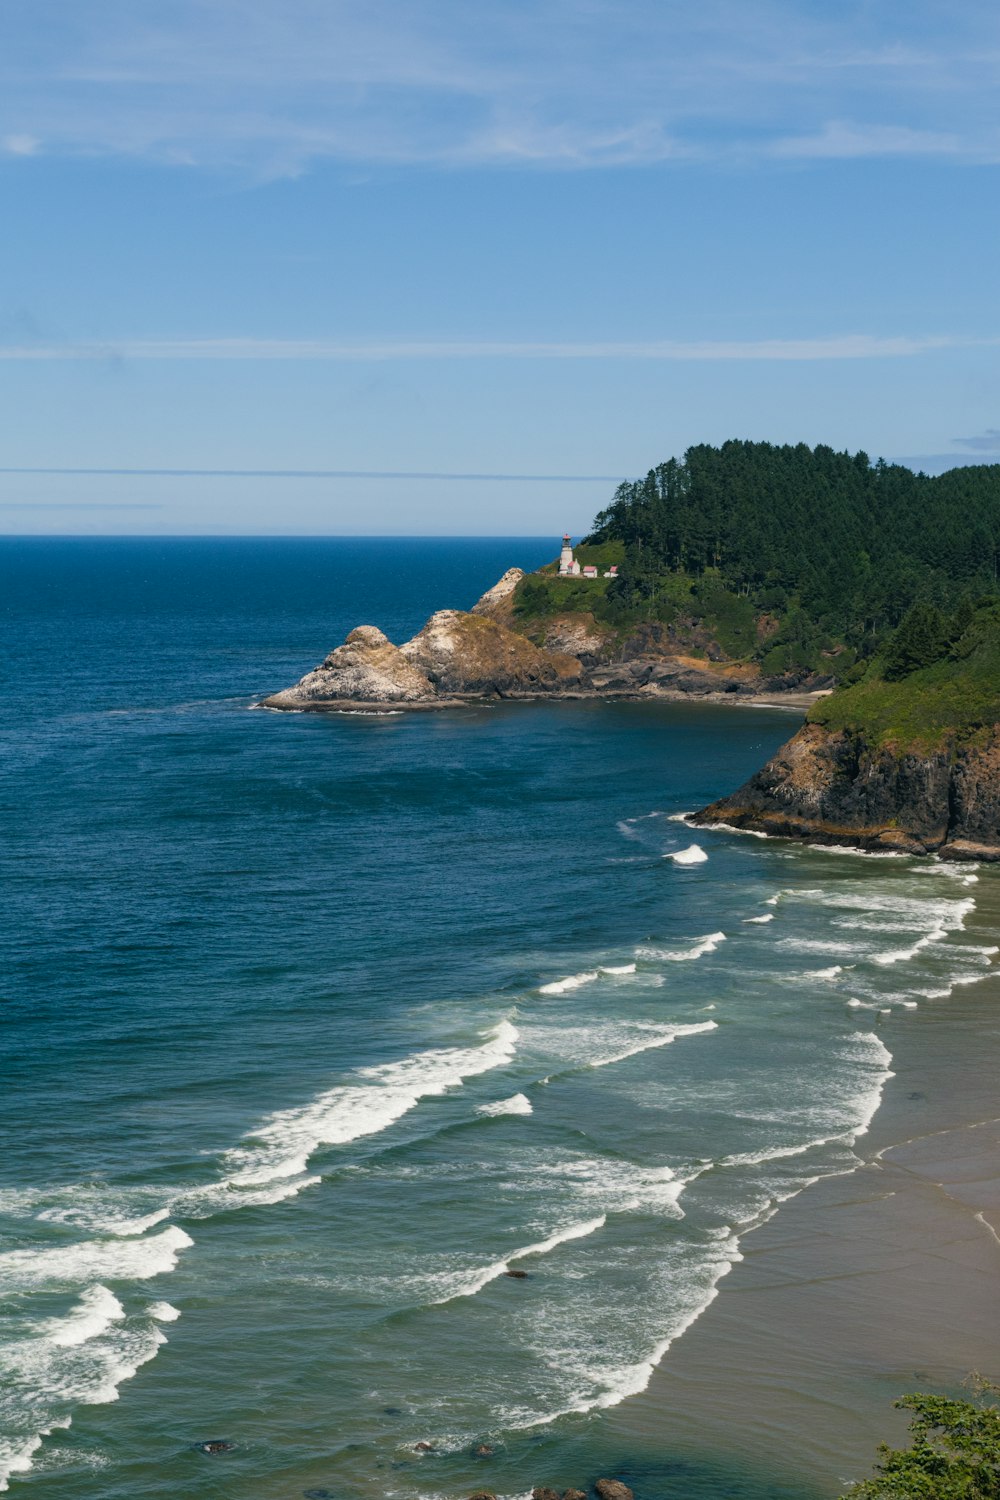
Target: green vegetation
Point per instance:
(954, 1454)
(795, 557)
(938, 678)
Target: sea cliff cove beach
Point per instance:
(500, 749)
(416, 1104)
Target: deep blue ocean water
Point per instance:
(314, 1026)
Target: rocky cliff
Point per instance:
(488, 652)
(455, 657)
(841, 786)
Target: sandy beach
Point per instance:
(863, 1287)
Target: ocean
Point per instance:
(317, 1028)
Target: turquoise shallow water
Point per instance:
(314, 1027)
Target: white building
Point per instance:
(568, 565)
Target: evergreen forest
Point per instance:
(835, 548)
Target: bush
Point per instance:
(954, 1455)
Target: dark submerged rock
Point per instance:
(318, 1494)
(423, 1447)
(517, 1275)
(483, 1451)
(215, 1445)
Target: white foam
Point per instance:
(613, 1186)
(230, 1195)
(830, 973)
(517, 1104)
(163, 1312)
(648, 1035)
(858, 853)
(750, 833)
(707, 944)
(816, 945)
(768, 917)
(79, 1359)
(780, 1153)
(92, 1260)
(607, 1385)
(618, 968)
(693, 855)
(16, 1456)
(93, 1315)
(571, 982)
(282, 1145)
(471, 1283)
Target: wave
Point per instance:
(817, 945)
(571, 982)
(608, 1385)
(92, 1260)
(93, 1315)
(163, 1312)
(474, 1281)
(657, 1036)
(752, 921)
(586, 976)
(694, 854)
(707, 944)
(612, 1185)
(517, 1104)
(81, 1358)
(780, 1153)
(280, 1148)
(830, 973)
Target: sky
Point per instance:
(428, 267)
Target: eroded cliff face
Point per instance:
(473, 653)
(834, 787)
(456, 656)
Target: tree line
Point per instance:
(852, 543)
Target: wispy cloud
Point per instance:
(846, 347)
(983, 442)
(319, 474)
(568, 83)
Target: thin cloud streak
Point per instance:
(320, 474)
(845, 347)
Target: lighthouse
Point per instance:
(568, 564)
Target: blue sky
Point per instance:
(428, 238)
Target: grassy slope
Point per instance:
(953, 698)
(726, 617)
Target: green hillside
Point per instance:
(920, 692)
(791, 556)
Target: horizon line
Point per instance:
(322, 474)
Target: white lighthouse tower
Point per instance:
(568, 564)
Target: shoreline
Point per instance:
(862, 1287)
(792, 702)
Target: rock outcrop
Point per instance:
(836, 787)
(498, 601)
(466, 654)
(456, 656)
(367, 668)
(613, 1489)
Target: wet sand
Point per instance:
(863, 1287)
